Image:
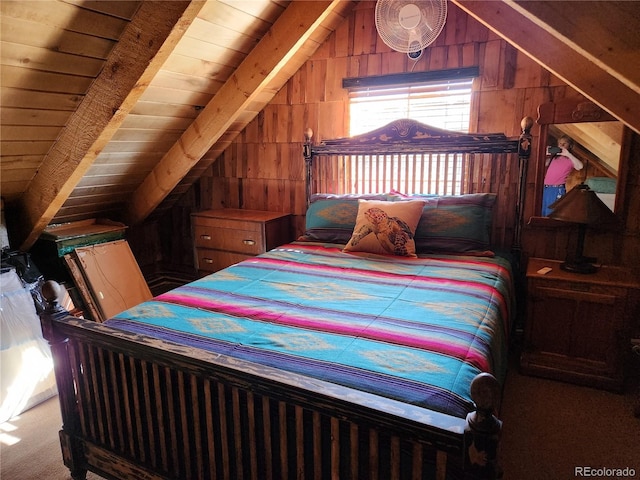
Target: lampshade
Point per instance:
(582, 205)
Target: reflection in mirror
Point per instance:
(592, 139)
(596, 146)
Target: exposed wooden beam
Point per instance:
(142, 49)
(285, 38)
(591, 45)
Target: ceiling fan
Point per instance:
(409, 26)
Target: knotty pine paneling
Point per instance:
(314, 98)
(510, 86)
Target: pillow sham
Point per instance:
(385, 227)
(331, 218)
(454, 223)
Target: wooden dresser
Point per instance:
(227, 236)
(578, 326)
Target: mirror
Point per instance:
(597, 139)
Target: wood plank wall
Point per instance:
(266, 161)
(264, 169)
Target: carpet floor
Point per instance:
(550, 429)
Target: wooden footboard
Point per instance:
(134, 407)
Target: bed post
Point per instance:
(308, 158)
(524, 152)
(72, 453)
(482, 434)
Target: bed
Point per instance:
(333, 356)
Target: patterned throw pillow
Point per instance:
(455, 224)
(386, 227)
(331, 217)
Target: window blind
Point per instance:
(442, 104)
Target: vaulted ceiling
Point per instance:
(115, 108)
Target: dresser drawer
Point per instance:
(249, 242)
(228, 223)
(214, 260)
(227, 236)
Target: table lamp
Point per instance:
(582, 206)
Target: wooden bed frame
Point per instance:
(134, 407)
(435, 161)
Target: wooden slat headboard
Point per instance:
(411, 157)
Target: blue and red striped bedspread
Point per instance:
(416, 330)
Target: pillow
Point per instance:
(386, 227)
(455, 223)
(601, 184)
(331, 217)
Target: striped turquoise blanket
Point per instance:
(416, 330)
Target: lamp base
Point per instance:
(578, 267)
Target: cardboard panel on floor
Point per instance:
(113, 276)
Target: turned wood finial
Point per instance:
(482, 433)
(524, 142)
(308, 134)
(51, 291)
(485, 393)
(526, 124)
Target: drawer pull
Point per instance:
(249, 242)
(207, 260)
(205, 237)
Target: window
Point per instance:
(442, 104)
(440, 99)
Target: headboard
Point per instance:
(414, 158)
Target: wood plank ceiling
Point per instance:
(113, 109)
(591, 45)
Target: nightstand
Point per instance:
(227, 236)
(578, 326)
